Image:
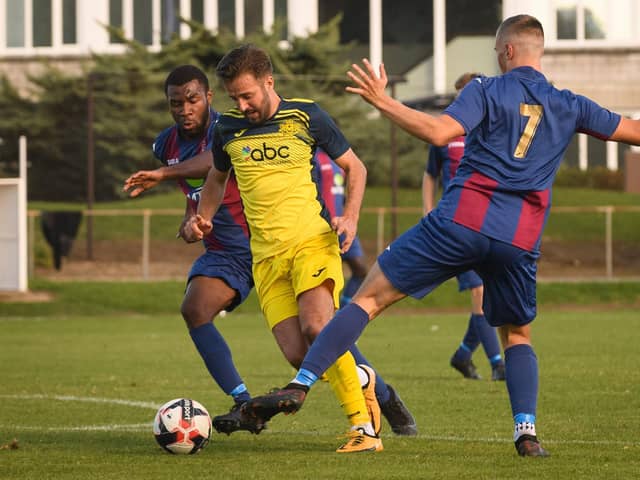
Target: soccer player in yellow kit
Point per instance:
(269, 142)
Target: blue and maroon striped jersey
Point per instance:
(443, 161)
(330, 183)
(518, 127)
(230, 231)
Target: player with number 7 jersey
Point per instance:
(502, 187)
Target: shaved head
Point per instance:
(519, 42)
(523, 29)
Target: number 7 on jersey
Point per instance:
(534, 112)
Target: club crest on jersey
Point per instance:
(288, 127)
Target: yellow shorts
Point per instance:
(280, 279)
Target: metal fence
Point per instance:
(377, 234)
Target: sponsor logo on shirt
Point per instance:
(266, 152)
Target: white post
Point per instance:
(22, 217)
(239, 26)
(56, 24)
(439, 47)
(302, 17)
(185, 12)
(211, 15)
(268, 15)
(612, 156)
(375, 34)
(127, 18)
(28, 24)
(583, 151)
(156, 23)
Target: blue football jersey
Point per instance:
(230, 231)
(518, 127)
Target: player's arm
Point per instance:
(211, 197)
(437, 130)
(356, 179)
(195, 167)
(189, 214)
(628, 131)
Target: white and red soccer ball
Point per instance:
(182, 426)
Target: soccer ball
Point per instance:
(182, 426)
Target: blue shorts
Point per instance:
(437, 249)
(355, 250)
(233, 269)
(468, 280)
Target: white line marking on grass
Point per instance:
(72, 398)
(134, 427)
(155, 406)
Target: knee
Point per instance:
(311, 331)
(192, 315)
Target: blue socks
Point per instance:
(522, 384)
(470, 342)
(338, 336)
(217, 357)
(488, 337)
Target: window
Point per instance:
(142, 18)
(115, 18)
(69, 21)
(280, 13)
(252, 16)
(15, 27)
(581, 20)
(41, 22)
(170, 18)
(227, 14)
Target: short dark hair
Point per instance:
(184, 74)
(244, 59)
(521, 24)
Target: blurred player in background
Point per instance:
(331, 183)
(269, 143)
(220, 279)
(490, 218)
(443, 162)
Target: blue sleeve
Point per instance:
(469, 108)
(326, 133)
(210, 132)
(158, 147)
(595, 120)
(220, 158)
(434, 163)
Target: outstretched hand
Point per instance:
(141, 181)
(195, 228)
(370, 87)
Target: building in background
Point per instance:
(593, 46)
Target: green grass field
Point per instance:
(82, 376)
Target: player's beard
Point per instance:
(263, 111)
(201, 127)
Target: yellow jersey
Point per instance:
(277, 178)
